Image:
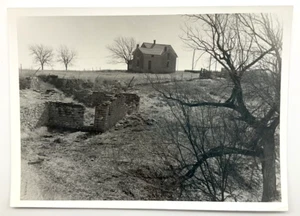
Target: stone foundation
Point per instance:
(108, 113)
(109, 110)
(65, 115)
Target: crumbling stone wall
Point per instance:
(65, 115)
(109, 110)
(98, 98)
(108, 113)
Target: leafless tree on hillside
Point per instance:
(42, 55)
(241, 43)
(205, 150)
(121, 50)
(66, 56)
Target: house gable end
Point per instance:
(169, 47)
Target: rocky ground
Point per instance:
(123, 163)
(119, 164)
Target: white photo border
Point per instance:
(15, 201)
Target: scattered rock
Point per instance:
(57, 140)
(151, 95)
(38, 161)
(44, 147)
(92, 157)
(50, 91)
(150, 121)
(138, 129)
(48, 136)
(83, 136)
(41, 154)
(99, 182)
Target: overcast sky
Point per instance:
(89, 36)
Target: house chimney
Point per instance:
(137, 46)
(154, 42)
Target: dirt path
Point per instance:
(32, 185)
(29, 183)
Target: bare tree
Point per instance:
(206, 137)
(241, 43)
(66, 56)
(41, 54)
(121, 50)
(205, 146)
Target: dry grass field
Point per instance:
(123, 163)
(63, 165)
(110, 76)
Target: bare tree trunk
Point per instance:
(66, 67)
(42, 65)
(216, 66)
(193, 59)
(209, 63)
(268, 166)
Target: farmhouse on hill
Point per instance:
(153, 58)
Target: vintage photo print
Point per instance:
(133, 108)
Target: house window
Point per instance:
(149, 65)
(168, 64)
(168, 56)
(152, 56)
(138, 63)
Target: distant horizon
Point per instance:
(100, 70)
(89, 36)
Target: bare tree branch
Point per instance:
(41, 54)
(66, 56)
(242, 44)
(121, 50)
(217, 152)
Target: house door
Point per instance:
(149, 65)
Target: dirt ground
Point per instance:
(123, 163)
(116, 165)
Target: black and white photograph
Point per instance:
(181, 107)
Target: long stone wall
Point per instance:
(65, 115)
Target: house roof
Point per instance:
(154, 49)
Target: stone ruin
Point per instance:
(65, 115)
(109, 109)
